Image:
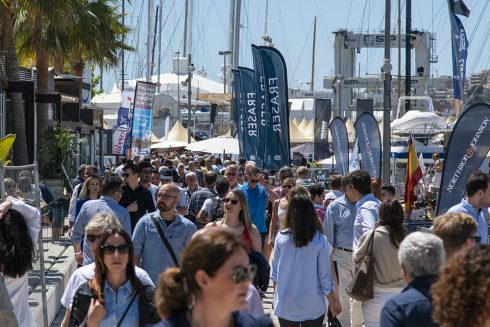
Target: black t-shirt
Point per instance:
(240, 319)
(143, 197)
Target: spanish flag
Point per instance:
(414, 173)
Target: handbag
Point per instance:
(165, 241)
(361, 287)
(261, 279)
(333, 321)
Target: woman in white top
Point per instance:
(19, 232)
(279, 209)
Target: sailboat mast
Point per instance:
(408, 51)
(154, 41)
(265, 21)
(148, 42)
(159, 45)
(123, 5)
(399, 41)
(189, 27)
(313, 56)
(236, 34)
(185, 28)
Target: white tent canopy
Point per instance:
(177, 137)
(219, 144)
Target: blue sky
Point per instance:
(290, 24)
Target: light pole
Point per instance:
(178, 85)
(224, 54)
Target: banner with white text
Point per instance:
(467, 148)
(248, 118)
(260, 106)
(367, 132)
(340, 144)
(142, 122)
(323, 112)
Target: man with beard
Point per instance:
(150, 252)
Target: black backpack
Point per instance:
(217, 208)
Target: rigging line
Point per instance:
(322, 21)
(201, 36)
(348, 14)
(218, 11)
(478, 21)
(363, 14)
(479, 84)
(284, 36)
(137, 42)
(302, 18)
(302, 51)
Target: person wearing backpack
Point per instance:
(213, 208)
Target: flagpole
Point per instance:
(387, 98)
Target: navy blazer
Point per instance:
(412, 307)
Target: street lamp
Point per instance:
(177, 54)
(224, 54)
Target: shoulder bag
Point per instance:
(165, 241)
(361, 287)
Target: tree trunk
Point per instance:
(77, 67)
(20, 155)
(59, 64)
(44, 110)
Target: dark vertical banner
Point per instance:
(459, 54)
(468, 145)
(237, 108)
(142, 123)
(249, 119)
(364, 105)
(340, 143)
(260, 106)
(123, 125)
(277, 110)
(323, 112)
(367, 132)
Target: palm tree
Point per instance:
(20, 156)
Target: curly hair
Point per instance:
(461, 294)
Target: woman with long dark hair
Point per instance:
(388, 280)
(211, 285)
(301, 269)
(19, 230)
(119, 298)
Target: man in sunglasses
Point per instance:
(150, 251)
(477, 199)
(258, 192)
(109, 204)
(231, 175)
(136, 198)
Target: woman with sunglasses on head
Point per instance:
(237, 219)
(210, 286)
(279, 209)
(301, 270)
(91, 190)
(98, 226)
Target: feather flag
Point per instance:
(354, 161)
(5, 146)
(414, 173)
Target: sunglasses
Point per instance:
(232, 201)
(253, 181)
(230, 174)
(287, 186)
(166, 196)
(243, 273)
(92, 238)
(111, 249)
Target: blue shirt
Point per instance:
(89, 209)
(256, 199)
(477, 215)
(149, 247)
(338, 225)
(366, 216)
(116, 303)
(303, 277)
(412, 307)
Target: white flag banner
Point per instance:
(354, 161)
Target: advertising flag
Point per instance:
(248, 114)
(459, 7)
(467, 147)
(367, 132)
(413, 175)
(276, 109)
(340, 144)
(459, 54)
(123, 123)
(323, 112)
(259, 83)
(354, 160)
(142, 122)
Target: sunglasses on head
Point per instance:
(111, 249)
(243, 273)
(232, 201)
(92, 238)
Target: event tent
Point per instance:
(217, 145)
(177, 137)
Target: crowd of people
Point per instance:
(187, 240)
